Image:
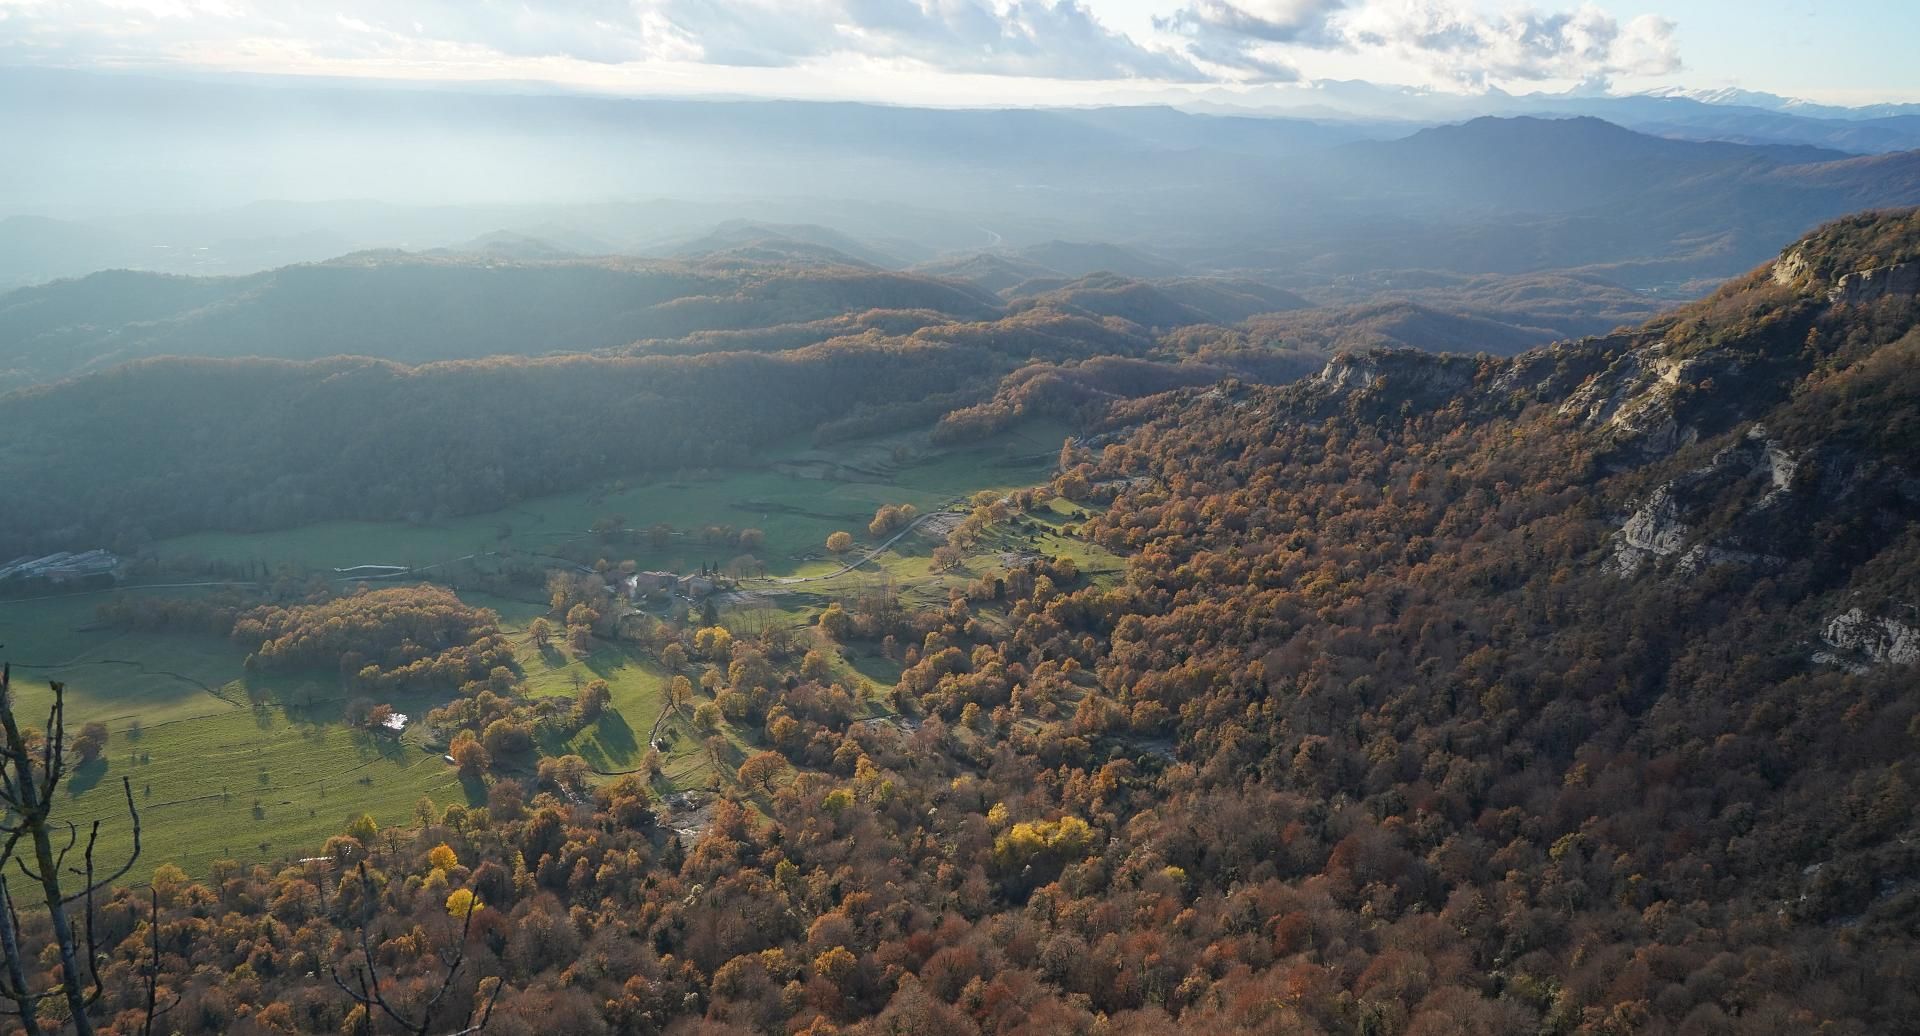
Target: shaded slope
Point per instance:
(422, 308)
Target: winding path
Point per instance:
(870, 555)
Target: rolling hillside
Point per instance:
(418, 308)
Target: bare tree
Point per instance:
(30, 772)
(365, 987)
(151, 973)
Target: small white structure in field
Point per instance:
(646, 584)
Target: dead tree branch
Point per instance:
(27, 795)
(366, 991)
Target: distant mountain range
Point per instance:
(1736, 97)
(1612, 186)
(1714, 114)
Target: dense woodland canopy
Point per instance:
(169, 445)
(419, 308)
(1441, 695)
(263, 427)
(388, 639)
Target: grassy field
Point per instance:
(227, 765)
(796, 497)
(220, 765)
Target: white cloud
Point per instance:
(1525, 44)
(1448, 40)
(1051, 39)
(1241, 35)
(1037, 46)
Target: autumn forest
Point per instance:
(1410, 628)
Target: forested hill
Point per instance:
(1604, 656)
(420, 308)
(1571, 693)
(179, 404)
(169, 445)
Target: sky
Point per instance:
(1003, 51)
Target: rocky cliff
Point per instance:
(1771, 430)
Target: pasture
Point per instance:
(221, 765)
(796, 497)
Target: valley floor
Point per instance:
(226, 764)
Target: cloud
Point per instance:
(1270, 21)
(1244, 41)
(1525, 44)
(1449, 40)
(1054, 39)
(1232, 34)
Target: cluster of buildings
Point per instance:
(63, 567)
(643, 585)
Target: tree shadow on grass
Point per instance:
(615, 735)
(604, 663)
(84, 777)
(389, 747)
(596, 759)
(550, 741)
(730, 756)
(475, 788)
(315, 709)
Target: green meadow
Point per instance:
(220, 765)
(797, 497)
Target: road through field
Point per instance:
(870, 555)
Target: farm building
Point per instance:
(652, 584)
(647, 584)
(62, 567)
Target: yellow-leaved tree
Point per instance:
(461, 901)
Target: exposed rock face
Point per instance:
(1876, 284)
(1654, 531)
(1791, 269)
(1770, 499)
(1660, 528)
(1650, 401)
(1388, 380)
(1794, 271)
(1636, 402)
(1860, 641)
(1702, 556)
(1408, 369)
(1598, 401)
(1781, 465)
